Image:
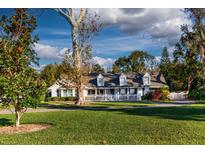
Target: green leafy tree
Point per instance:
(121, 65)
(137, 61)
(97, 69)
(50, 74)
(165, 66)
(20, 85)
(197, 16)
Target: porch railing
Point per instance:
(135, 97)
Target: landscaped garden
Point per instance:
(158, 125)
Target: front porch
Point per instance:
(114, 94)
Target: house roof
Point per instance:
(133, 79)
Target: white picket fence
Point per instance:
(178, 95)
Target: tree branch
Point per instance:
(68, 15)
(81, 16)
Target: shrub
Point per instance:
(161, 94)
(156, 95)
(198, 94)
(164, 93)
(147, 96)
(48, 99)
(71, 98)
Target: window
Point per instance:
(70, 92)
(58, 93)
(100, 80)
(123, 81)
(91, 92)
(100, 92)
(65, 93)
(122, 91)
(111, 91)
(146, 79)
(49, 94)
(133, 91)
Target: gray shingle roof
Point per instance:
(133, 79)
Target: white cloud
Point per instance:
(104, 62)
(157, 59)
(46, 51)
(62, 52)
(158, 23)
(39, 68)
(49, 52)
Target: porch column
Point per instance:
(61, 91)
(128, 92)
(95, 93)
(118, 92)
(105, 98)
(73, 91)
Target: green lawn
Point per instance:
(171, 125)
(100, 104)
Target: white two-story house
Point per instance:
(113, 87)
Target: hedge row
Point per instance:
(71, 98)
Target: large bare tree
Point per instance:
(84, 26)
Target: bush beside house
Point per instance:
(161, 94)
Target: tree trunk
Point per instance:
(203, 56)
(77, 65)
(17, 119)
(189, 84)
(17, 113)
(80, 96)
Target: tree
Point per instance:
(197, 15)
(140, 61)
(137, 61)
(121, 65)
(187, 65)
(50, 74)
(165, 66)
(21, 86)
(83, 27)
(97, 69)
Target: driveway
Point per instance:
(52, 108)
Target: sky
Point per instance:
(124, 30)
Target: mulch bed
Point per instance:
(24, 128)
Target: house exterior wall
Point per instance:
(53, 90)
(114, 91)
(120, 93)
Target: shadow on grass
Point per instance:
(174, 113)
(5, 122)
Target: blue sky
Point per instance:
(124, 30)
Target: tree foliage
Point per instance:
(137, 61)
(50, 74)
(21, 86)
(165, 67)
(97, 69)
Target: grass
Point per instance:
(166, 125)
(98, 104)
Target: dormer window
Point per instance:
(146, 79)
(123, 80)
(100, 80)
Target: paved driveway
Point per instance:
(52, 109)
